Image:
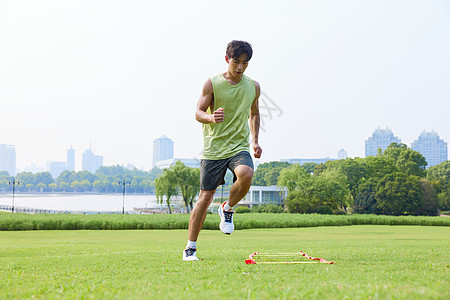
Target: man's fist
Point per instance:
(218, 115)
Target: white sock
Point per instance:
(226, 207)
(191, 244)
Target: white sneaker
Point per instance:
(190, 254)
(226, 220)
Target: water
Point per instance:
(82, 202)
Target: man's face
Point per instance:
(237, 66)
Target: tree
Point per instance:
(25, 178)
(76, 186)
(63, 186)
(4, 184)
(267, 173)
(378, 166)
(85, 185)
(311, 194)
(439, 176)
(399, 194)
(365, 201)
(29, 186)
(187, 182)
(52, 186)
(41, 186)
(430, 205)
(352, 172)
(439, 172)
(407, 161)
(319, 169)
(85, 175)
(166, 185)
(97, 186)
(291, 177)
(42, 177)
(309, 167)
(145, 185)
(66, 176)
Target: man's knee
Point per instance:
(244, 173)
(206, 197)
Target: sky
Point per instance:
(116, 75)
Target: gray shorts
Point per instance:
(212, 172)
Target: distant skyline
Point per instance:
(119, 74)
(341, 154)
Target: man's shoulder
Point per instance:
(216, 77)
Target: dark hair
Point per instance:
(236, 48)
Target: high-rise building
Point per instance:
(302, 161)
(56, 168)
(342, 154)
(431, 147)
(91, 162)
(8, 159)
(162, 149)
(380, 139)
(71, 159)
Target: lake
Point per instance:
(83, 202)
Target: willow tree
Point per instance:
(166, 185)
(188, 183)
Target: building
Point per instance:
(162, 149)
(8, 159)
(431, 147)
(380, 139)
(70, 159)
(301, 161)
(342, 154)
(188, 162)
(265, 195)
(91, 162)
(56, 168)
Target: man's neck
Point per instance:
(232, 79)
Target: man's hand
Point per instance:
(218, 115)
(257, 150)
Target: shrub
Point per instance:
(268, 208)
(242, 210)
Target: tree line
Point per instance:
(104, 180)
(395, 182)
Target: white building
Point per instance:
(188, 162)
(56, 168)
(265, 195)
(301, 161)
(380, 139)
(70, 159)
(431, 147)
(162, 149)
(91, 162)
(8, 159)
(342, 154)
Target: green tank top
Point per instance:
(225, 139)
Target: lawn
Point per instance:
(400, 262)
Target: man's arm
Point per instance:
(206, 100)
(254, 123)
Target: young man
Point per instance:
(227, 102)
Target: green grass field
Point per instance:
(372, 262)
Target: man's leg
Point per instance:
(238, 191)
(198, 214)
(196, 221)
(240, 187)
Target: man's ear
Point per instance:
(227, 59)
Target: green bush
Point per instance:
(268, 208)
(242, 210)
